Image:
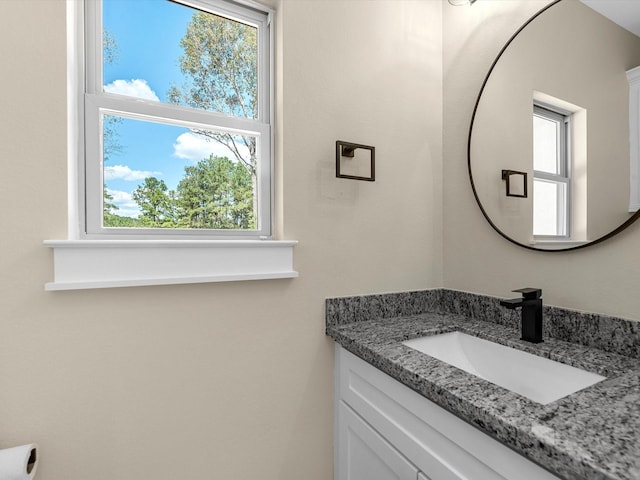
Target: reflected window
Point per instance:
(551, 173)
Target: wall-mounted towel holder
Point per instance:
(347, 150)
(516, 183)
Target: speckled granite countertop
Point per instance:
(591, 434)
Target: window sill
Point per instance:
(85, 264)
(559, 243)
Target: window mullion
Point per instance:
(550, 177)
(137, 108)
(238, 10)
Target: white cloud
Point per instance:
(123, 172)
(126, 206)
(138, 88)
(192, 147)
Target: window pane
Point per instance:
(167, 52)
(158, 175)
(548, 207)
(545, 145)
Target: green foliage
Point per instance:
(110, 51)
(216, 193)
(118, 221)
(220, 60)
(107, 206)
(110, 218)
(110, 137)
(110, 48)
(221, 70)
(156, 204)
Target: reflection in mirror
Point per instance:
(559, 97)
(551, 173)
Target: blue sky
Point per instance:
(148, 34)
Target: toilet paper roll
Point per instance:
(19, 463)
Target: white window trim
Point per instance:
(83, 263)
(95, 103)
(563, 208)
(152, 110)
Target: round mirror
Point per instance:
(549, 143)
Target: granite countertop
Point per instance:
(591, 434)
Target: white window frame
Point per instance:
(563, 177)
(86, 261)
(95, 103)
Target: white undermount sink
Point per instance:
(539, 379)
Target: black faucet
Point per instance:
(531, 303)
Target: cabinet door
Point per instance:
(438, 443)
(364, 455)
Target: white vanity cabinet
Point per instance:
(365, 454)
(385, 430)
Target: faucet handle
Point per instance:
(529, 293)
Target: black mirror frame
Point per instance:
(614, 232)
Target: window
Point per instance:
(551, 175)
(169, 145)
(176, 116)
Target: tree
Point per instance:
(109, 216)
(110, 49)
(216, 193)
(221, 70)
(118, 221)
(110, 142)
(110, 137)
(154, 202)
(107, 206)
